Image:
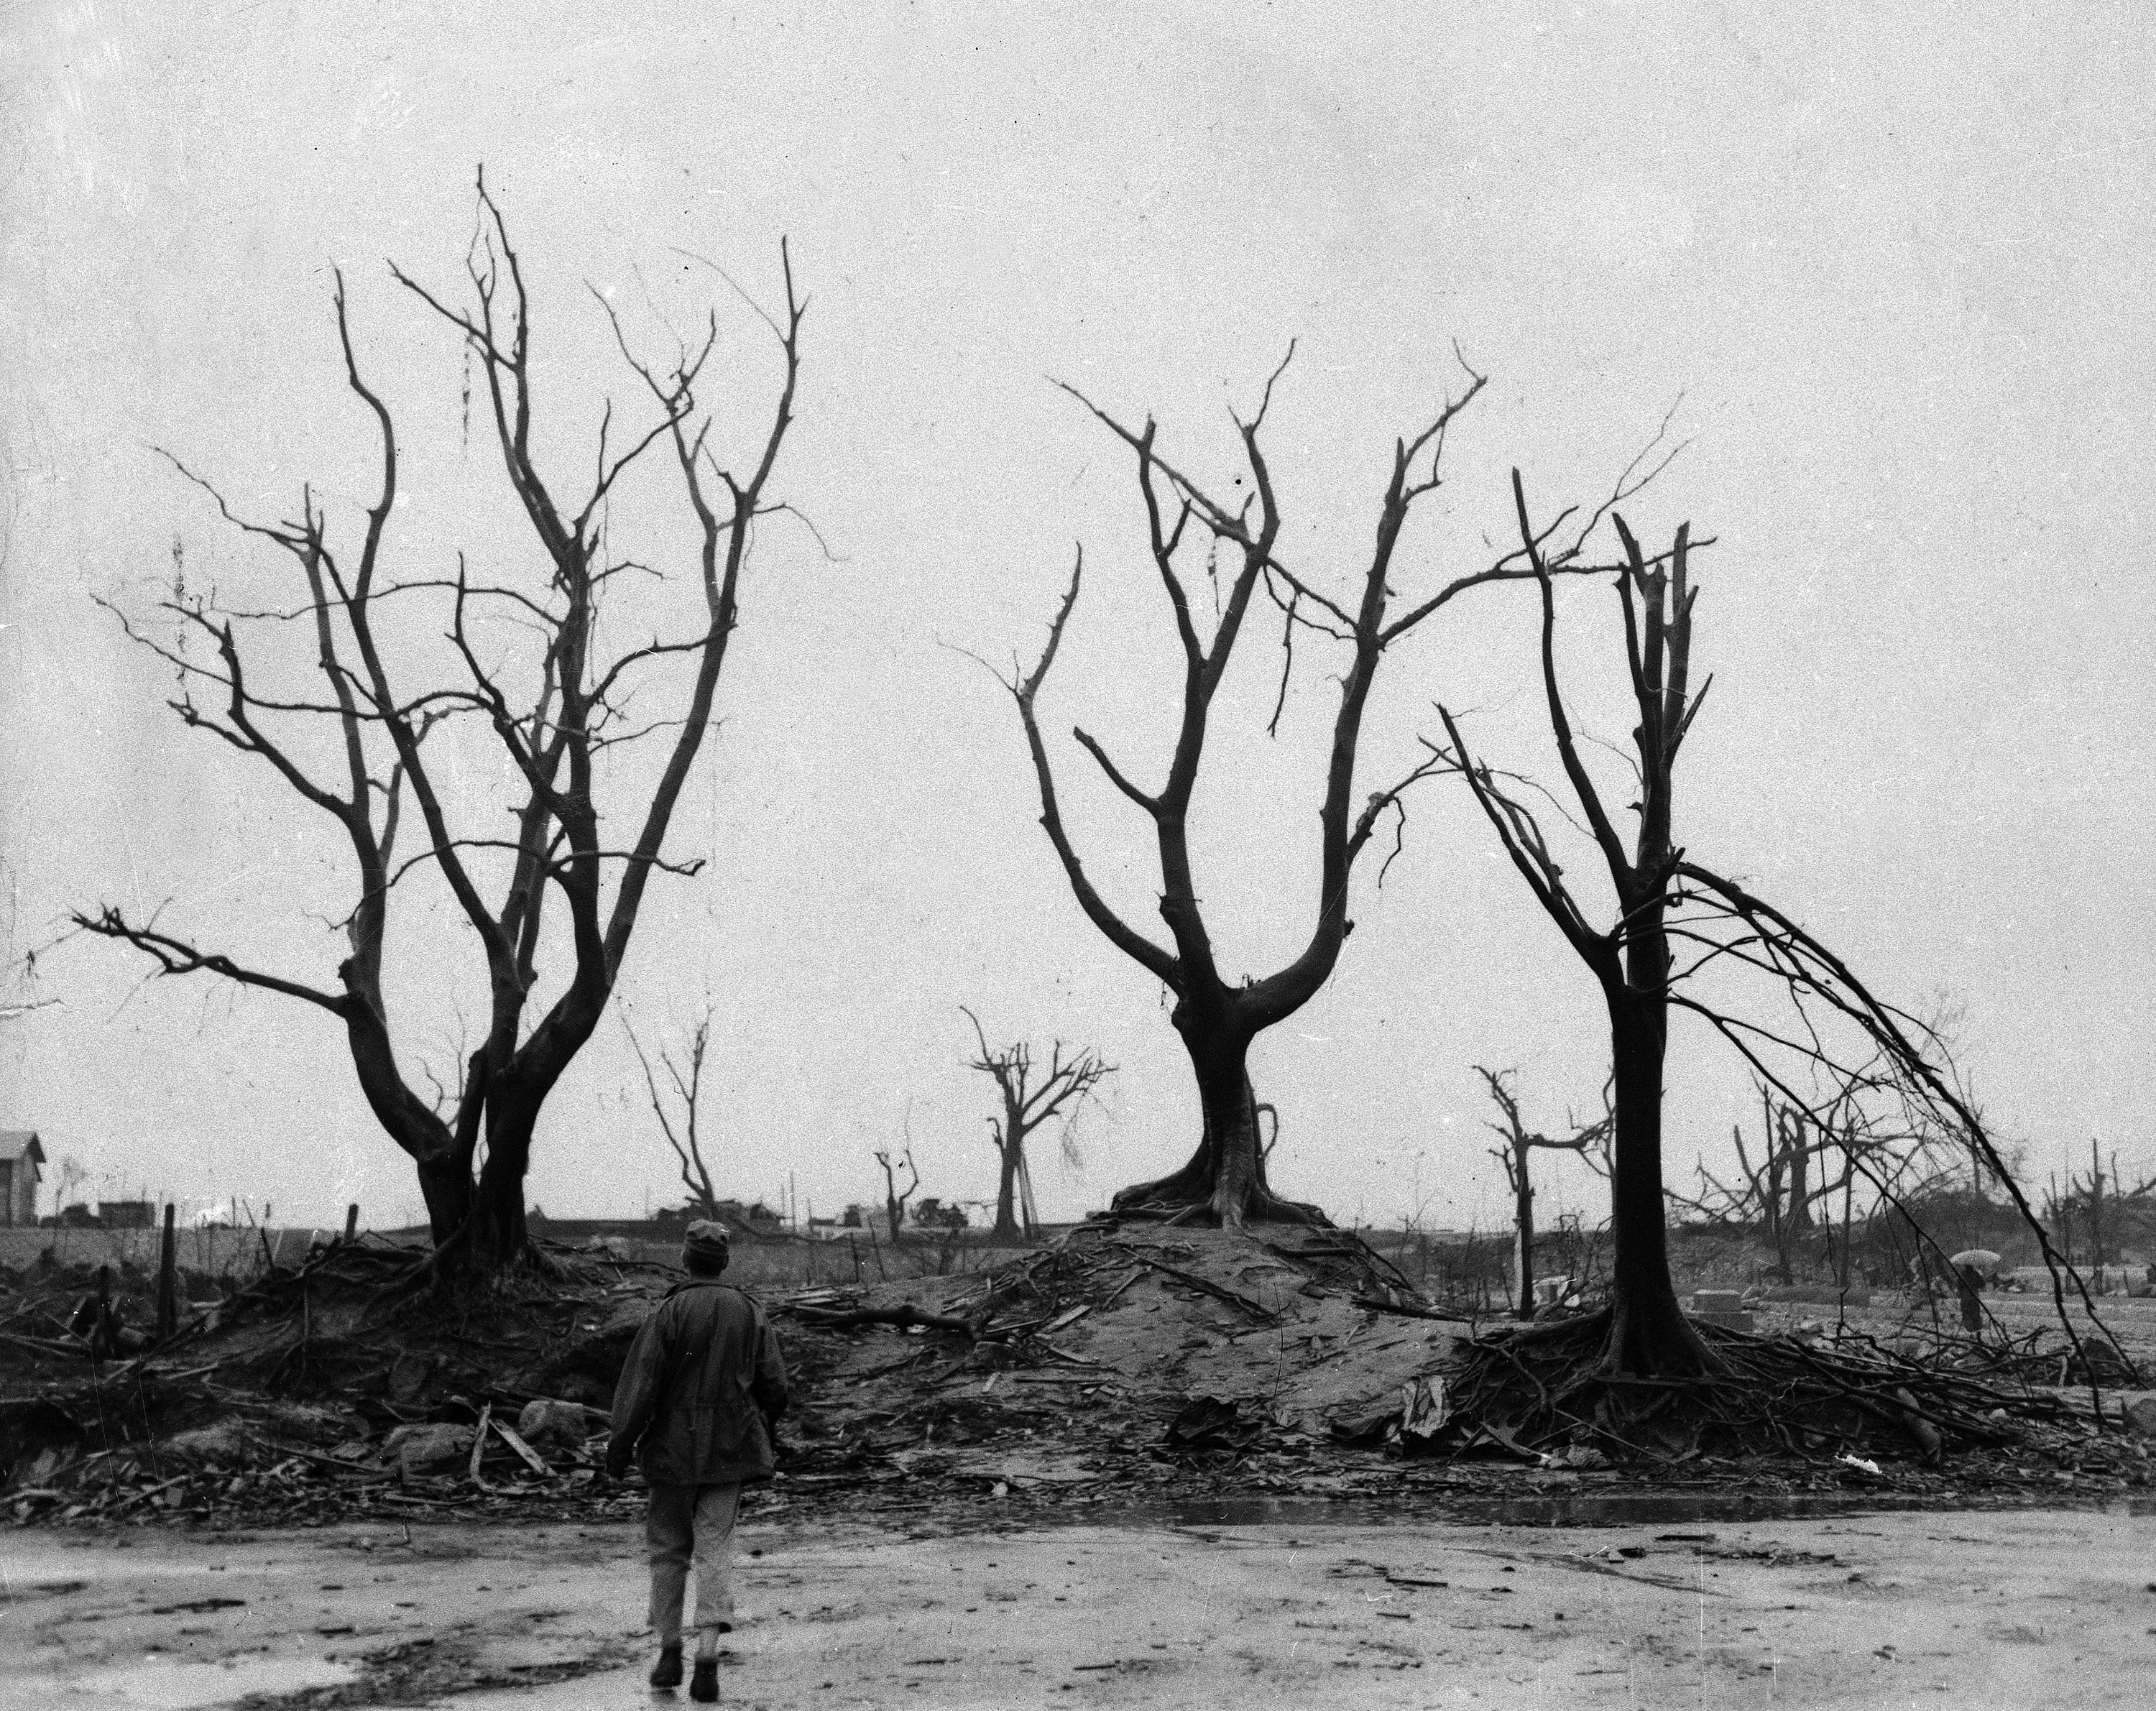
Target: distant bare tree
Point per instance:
(1777, 1193)
(1216, 1015)
(557, 714)
(2093, 1198)
(1064, 1086)
(894, 1197)
(683, 1137)
(1588, 1140)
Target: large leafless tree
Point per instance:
(559, 712)
(1217, 1016)
(1841, 1035)
(1630, 960)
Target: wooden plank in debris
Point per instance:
(1255, 1309)
(532, 1458)
(1137, 1272)
(479, 1446)
(1371, 1303)
(1053, 1353)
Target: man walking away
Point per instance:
(699, 1396)
(1972, 1268)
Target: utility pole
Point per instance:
(168, 1292)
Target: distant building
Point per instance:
(22, 1162)
(125, 1215)
(754, 1219)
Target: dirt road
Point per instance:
(1958, 1610)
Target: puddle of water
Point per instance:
(1552, 1509)
(162, 1684)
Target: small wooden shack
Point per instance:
(21, 1164)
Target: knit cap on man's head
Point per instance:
(706, 1239)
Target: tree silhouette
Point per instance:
(1216, 1015)
(557, 710)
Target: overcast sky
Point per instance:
(1892, 266)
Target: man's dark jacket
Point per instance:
(703, 1379)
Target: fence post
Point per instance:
(168, 1279)
(351, 1222)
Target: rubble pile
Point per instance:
(1128, 1362)
(317, 1393)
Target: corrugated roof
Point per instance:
(21, 1143)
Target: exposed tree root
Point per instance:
(450, 1274)
(1552, 1384)
(1662, 1344)
(1188, 1198)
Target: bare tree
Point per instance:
(1217, 1016)
(1589, 1141)
(1649, 1334)
(1776, 1194)
(556, 724)
(895, 1197)
(1664, 898)
(2094, 1199)
(683, 1137)
(1064, 1086)
(1789, 1142)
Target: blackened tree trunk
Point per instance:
(1800, 1187)
(1007, 1224)
(1226, 1173)
(1523, 1241)
(1649, 1333)
(448, 1191)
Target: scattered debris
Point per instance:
(1211, 1423)
(1122, 1362)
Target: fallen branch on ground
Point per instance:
(1255, 1309)
(902, 1317)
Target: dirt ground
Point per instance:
(1317, 1609)
(1135, 1466)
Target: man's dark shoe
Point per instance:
(667, 1672)
(704, 1685)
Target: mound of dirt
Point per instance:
(1302, 1329)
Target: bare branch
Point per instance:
(175, 956)
(1150, 804)
(1024, 689)
(1605, 836)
